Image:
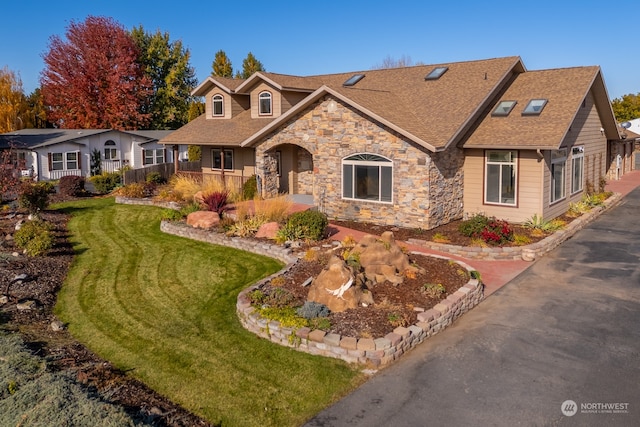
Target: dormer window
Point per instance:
(264, 104)
(217, 106)
(534, 107)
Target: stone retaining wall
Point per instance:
(147, 202)
(271, 250)
(525, 252)
(371, 351)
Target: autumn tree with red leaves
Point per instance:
(93, 79)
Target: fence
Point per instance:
(164, 169)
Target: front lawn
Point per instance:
(163, 308)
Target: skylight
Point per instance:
(504, 108)
(353, 80)
(436, 73)
(534, 107)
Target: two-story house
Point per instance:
(414, 146)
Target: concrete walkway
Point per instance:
(563, 335)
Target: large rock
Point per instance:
(203, 219)
(335, 287)
(268, 230)
(382, 259)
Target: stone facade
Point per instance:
(427, 187)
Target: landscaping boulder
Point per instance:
(383, 260)
(203, 219)
(268, 230)
(334, 287)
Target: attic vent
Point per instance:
(503, 108)
(353, 80)
(534, 107)
(436, 73)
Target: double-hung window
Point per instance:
(577, 169)
(57, 161)
(264, 104)
(64, 161)
(72, 160)
(500, 177)
(152, 156)
(217, 105)
(217, 153)
(367, 177)
(110, 152)
(558, 162)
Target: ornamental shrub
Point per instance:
(306, 225)
(34, 237)
(497, 232)
(473, 226)
(34, 197)
(217, 201)
(71, 185)
(106, 182)
(312, 309)
(250, 188)
(155, 178)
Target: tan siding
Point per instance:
(208, 108)
(528, 187)
(585, 131)
(239, 103)
(289, 99)
(243, 161)
(276, 99)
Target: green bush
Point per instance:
(155, 178)
(106, 182)
(34, 237)
(250, 188)
(171, 215)
(312, 309)
(34, 197)
(473, 226)
(305, 225)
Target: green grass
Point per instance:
(162, 308)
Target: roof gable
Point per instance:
(564, 89)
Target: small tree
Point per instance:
(221, 65)
(194, 152)
(96, 162)
(8, 177)
(34, 197)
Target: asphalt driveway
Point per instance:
(567, 329)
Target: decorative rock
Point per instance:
(19, 225)
(333, 287)
(307, 282)
(268, 230)
(27, 305)
(203, 219)
(57, 326)
(4, 299)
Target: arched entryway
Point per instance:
(291, 170)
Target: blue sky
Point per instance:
(318, 37)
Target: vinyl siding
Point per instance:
(585, 131)
(529, 178)
(289, 99)
(243, 161)
(276, 99)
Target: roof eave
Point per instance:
(257, 76)
(203, 88)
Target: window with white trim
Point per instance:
(57, 161)
(216, 155)
(577, 169)
(558, 162)
(72, 160)
(64, 161)
(110, 152)
(367, 177)
(153, 156)
(217, 105)
(500, 184)
(264, 103)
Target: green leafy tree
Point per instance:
(627, 107)
(250, 65)
(33, 112)
(166, 64)
(92, 79)
(222, 65)
(195, 153)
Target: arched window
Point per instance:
(217, 105)
(110, 152)
(264, 103)
(367, 177)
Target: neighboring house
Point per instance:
(49, 154)
(415, 146)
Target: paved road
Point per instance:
(568, 328)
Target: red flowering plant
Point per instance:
(497, 232)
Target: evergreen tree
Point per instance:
(250, 65)
(221, 65)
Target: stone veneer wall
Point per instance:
(372, 351)
(427, 189)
